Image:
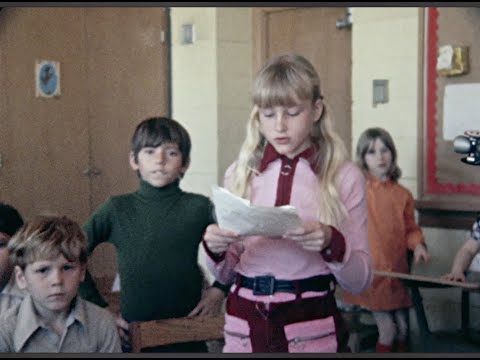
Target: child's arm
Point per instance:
(122, 328)
(353, 271)
(462, 260)
(210, 304)
(413, 232)
(223, 249)
(98, 229)
(312, 236)
(421, 253)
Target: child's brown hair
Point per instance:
(365, 142)
(155, 131)
(45, 238)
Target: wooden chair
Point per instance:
(170, 331)
(363, 336)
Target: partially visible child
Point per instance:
(156, 231)
(465, 254)
(50, 255)
(10, 222)
(392, 231)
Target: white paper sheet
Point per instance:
(237, 214)
(461, 107)
(116, 284)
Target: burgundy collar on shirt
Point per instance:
(287, 170)
(270, 154)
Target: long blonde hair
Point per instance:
(283, 81)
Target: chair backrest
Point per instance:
(170, 331)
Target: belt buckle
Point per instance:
(263, 285)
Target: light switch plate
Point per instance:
(380, 92)
(188, 34)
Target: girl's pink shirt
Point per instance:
(284, 258)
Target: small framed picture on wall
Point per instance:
(47, 78)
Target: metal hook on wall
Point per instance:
(347, 21)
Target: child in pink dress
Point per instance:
(282, 297)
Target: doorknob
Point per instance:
(91, 172)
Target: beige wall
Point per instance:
(385, 46)
(211, 84)
(210, 90)
(194, 93)
(211, 81)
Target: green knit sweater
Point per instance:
(156, 232)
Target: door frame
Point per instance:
(260, 34)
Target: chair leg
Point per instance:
(466, 314)
(420, 313)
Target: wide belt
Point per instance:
(268, 285)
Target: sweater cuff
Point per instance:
(336, 250)
(215, 257)
(224, 288)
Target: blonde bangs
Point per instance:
(281, 87)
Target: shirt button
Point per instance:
(328, 252)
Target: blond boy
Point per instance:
(49, 255)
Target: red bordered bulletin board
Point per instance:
(449, 190)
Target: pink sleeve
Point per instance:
(222, 265)
(354, 273)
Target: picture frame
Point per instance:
(47, 78)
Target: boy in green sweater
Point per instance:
(156, 231)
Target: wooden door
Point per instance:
(127, 80)
(312, 33)
(43, 141)
(67, 155)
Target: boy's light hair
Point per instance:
(45, 238)
(365, 142)
(284, 81)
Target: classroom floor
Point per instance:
(447, 342)
(363, 338)
(439, 342)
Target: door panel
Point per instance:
(113, 65)
(312, 33)
(127, 82)
(43, 141)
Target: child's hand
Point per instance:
(454, 276)
(218, 239)
(122, 327)
(211, 303)
(313, 236)
(421, 253)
